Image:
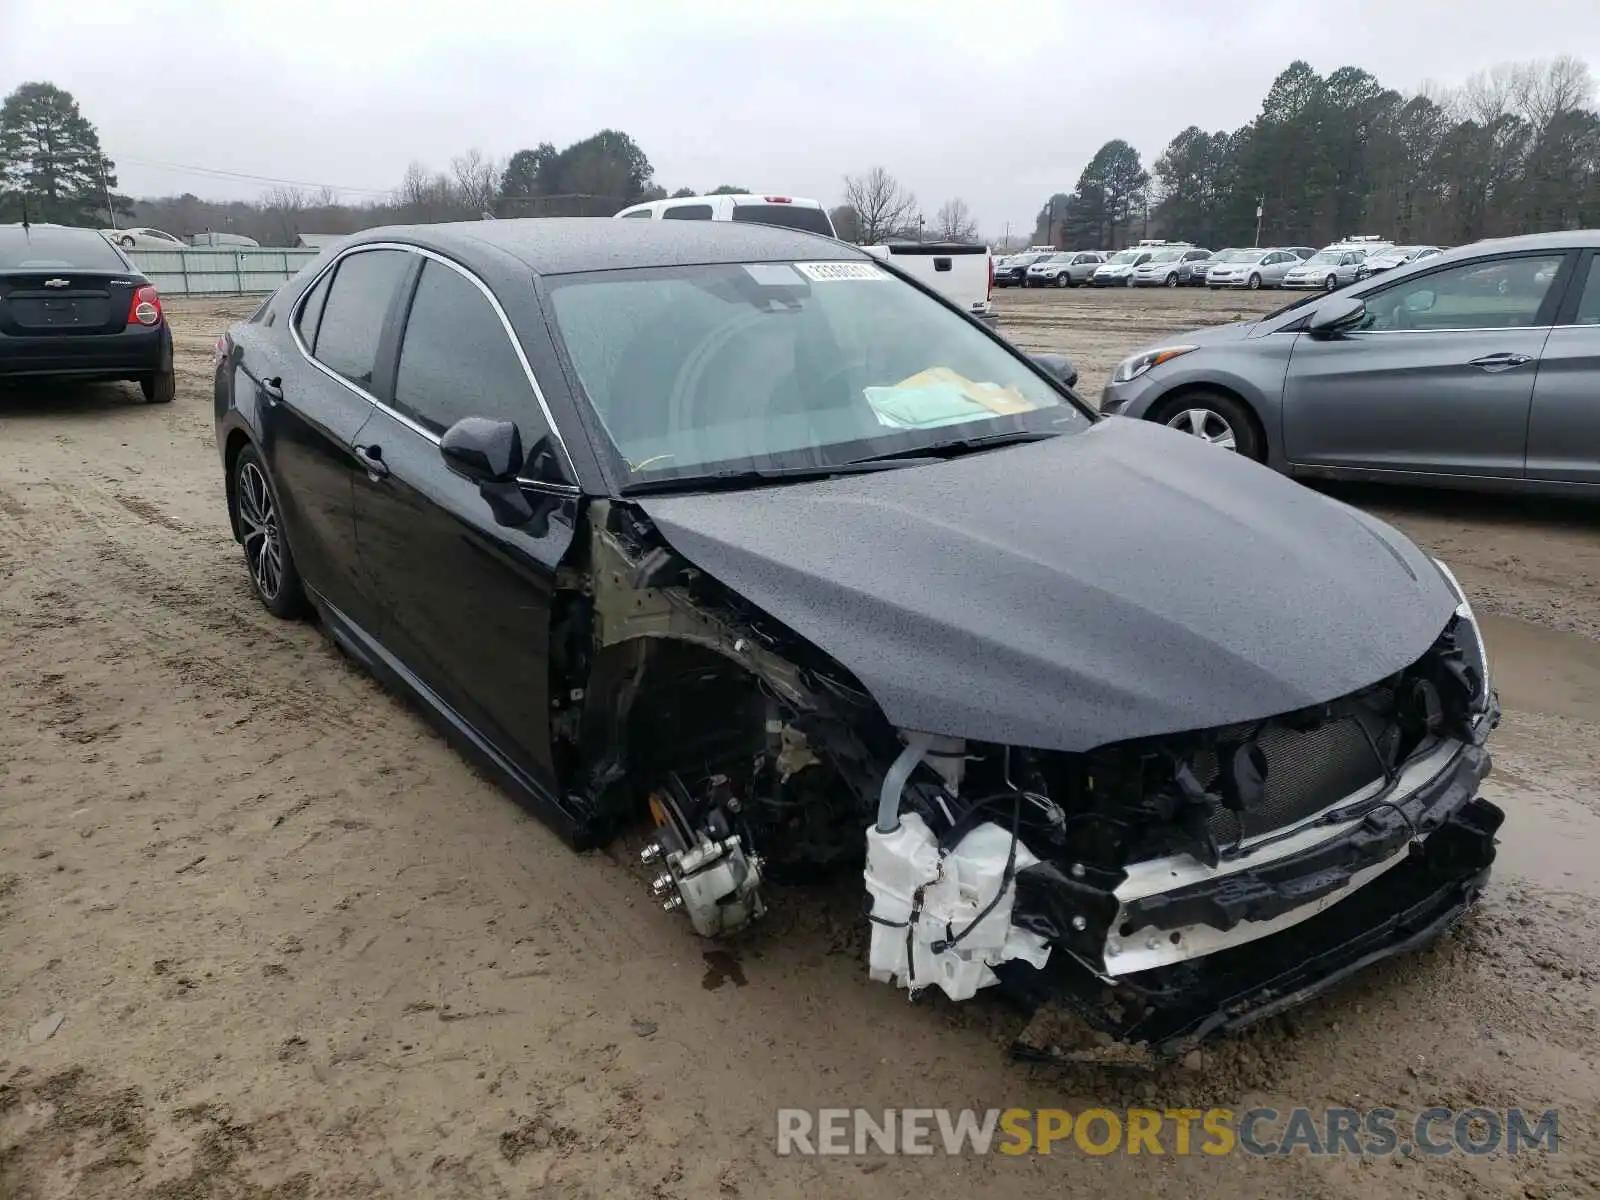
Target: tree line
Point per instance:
(1516, 149)
(52, 168)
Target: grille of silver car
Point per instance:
(1307, 770)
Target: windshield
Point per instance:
(1239, 256)
(1060, 258)
(1123, 257)
(704, 370)
(1325, 256)
(1164, 256)
(42, 248)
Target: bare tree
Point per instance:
(954, 221)
(424, 196)
(883, 208)
(477, 181)
(283, 206)
(1542, 91)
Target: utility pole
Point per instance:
(111, 212)
(1260, 203)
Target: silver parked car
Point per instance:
(1069, 268)
(1170, 266)
(1117, 271)
(1251, 269)
(1331, 267)
(1478, 367)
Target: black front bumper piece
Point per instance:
(1451, 835)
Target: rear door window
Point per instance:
(355, 310)
(311, 311)
(1589, 304)
(457, 360)
(687, 212)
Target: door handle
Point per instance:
(1499, 362)
(272, 389)
(372, 459)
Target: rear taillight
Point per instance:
(146, 307)
(777, 199)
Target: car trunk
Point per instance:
(45, 303)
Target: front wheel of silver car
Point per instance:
(1255, 283)
(273, 574)
(1063, 279)
(1215, 418)
(1331, 282)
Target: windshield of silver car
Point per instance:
(712, 369)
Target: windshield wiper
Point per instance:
(755, 476)
(943, 450)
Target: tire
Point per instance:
(125, 241)
(1178, 412)
(1063, 280)
(1330, 283)
(273, 575)
(1172, 280)
(1255, 283)
(1211, 287)
(159, 388)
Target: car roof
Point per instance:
(561, 245)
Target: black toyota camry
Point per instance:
(73, 306)
(737, 535)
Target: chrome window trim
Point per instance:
(505, 323)
(1462, 329)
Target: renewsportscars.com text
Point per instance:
(1318, 1132)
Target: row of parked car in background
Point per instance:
(1182, 264)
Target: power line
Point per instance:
(219, 173)
(211, 172)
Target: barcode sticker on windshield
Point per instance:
(829, 272)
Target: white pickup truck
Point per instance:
(962, 272)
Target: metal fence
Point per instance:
(219, 272)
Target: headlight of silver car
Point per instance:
(1472, 645)
(1136, 365)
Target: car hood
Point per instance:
(1125, 582)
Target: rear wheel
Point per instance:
(160, 387)
(273, 574)
(1213, 417)
(125, 241)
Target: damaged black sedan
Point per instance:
(739, 534)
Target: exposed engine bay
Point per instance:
(1161, 889)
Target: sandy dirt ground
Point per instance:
(262, 934)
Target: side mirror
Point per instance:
(482, 450)
(1058, 366)
(1332, 316)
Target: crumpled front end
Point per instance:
(1159, 886)
(1187, 885)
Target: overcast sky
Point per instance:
(1000, 103)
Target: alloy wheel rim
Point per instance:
(263, 547)
(1209, 426)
